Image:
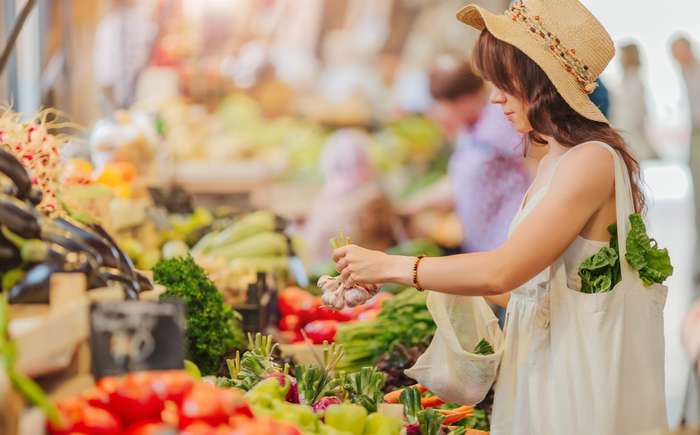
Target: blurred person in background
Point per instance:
(351, 200)
(487, 176)
(682, 51)
(629, 104)
(123, 43)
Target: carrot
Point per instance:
(476, 432)
(460, 410)
(431, 402)
(393, 397)
(455, 417)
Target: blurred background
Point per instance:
(339, 115)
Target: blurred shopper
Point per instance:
(351, 200)
(122, 48)
(487, 177)
(629, 104)
(690, 68)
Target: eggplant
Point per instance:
(108, 254)
(9, 254)
(130, 287)
(34, 287)
(145, 284)
(19, 217)
(129, 270)
(15, 171)
(35, 196)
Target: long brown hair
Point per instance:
(510, 70)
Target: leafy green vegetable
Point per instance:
(256, 364)
(483, 347)
(213, 328)
(643, 254)
(410, 399)
(404, 320)
(315, 382)
(430, 422)
(601, 272)
(365, 387)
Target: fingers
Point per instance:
(346, 276)
(340, 253)
(341, 265)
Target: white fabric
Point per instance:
(448, 367)
(577, 363)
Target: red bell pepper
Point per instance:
(321, 330)
(136, 400)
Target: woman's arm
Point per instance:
(584, 182)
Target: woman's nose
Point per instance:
(498, 97)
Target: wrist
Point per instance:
(401, 269)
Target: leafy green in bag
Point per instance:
(600, 272)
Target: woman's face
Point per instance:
(513, 108)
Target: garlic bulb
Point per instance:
(356, 296)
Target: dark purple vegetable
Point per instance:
(15, 171)
(413, 428)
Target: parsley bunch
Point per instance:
(213, 328)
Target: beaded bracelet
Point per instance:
(415, 273)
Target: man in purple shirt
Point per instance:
(487, 175)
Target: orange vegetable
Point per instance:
(431, 402)
(393, 397)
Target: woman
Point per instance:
(573, 363)
(487, 174)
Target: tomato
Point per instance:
(78, 416)
(212, 405)
(321, 330)
(150, 428)
(135, 399)
(290, 322)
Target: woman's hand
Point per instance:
(360, 266)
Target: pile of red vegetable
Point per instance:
(161, 402)
(302, 311)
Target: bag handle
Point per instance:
(624, 205)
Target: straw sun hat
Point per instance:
(561, 36)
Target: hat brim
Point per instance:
(504, 29)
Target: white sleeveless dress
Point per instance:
(541, 392)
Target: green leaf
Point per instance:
(643, 254)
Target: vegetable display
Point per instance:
(34, 246)
(213, 328)
(600, 272)
(404, 320)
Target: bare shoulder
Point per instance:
(587, 169)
